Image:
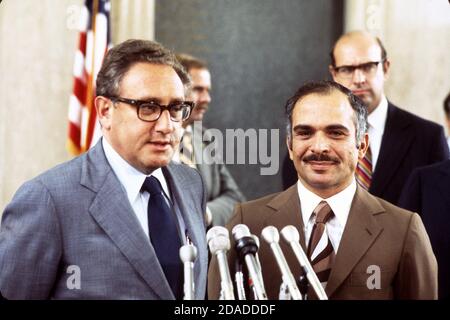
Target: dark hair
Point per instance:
(383, 52)
(123, 56)
(326, 88)
(447, 105)
(190, 62)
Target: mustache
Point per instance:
(320, 157)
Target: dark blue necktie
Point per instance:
(164, 235)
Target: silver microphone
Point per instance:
(239, 278)
(247, 248)
(292, 237)
(219, 243)
(272, 237)
(188, 254)
(257, 260)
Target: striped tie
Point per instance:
(187, 150)
(320, 249)
(364, 170)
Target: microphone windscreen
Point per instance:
(188, 253)
(270, 234)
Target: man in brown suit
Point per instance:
(371, 248)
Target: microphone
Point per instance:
(219, 243)
(257, 260)
(272, 237)
(247, 248)
(239, 278)
(292, 237)
(188, 254)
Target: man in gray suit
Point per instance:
(222, 191)
(109, 224)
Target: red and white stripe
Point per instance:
(84, 130)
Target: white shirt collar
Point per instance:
(377, 119)
(340, 203)
(130, 178)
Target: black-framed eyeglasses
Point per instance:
(151, 111)
(368, 68)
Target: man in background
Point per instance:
(110, 223)
(399, 140)
(427, 192)
(222, 191)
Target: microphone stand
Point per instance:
(303, 283)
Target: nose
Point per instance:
(358, 76)
(164, 124)
(205, 97)
(320, 144)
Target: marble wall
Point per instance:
(38, 40)
(416, 34)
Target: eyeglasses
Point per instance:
(368, 68)
(151, 111)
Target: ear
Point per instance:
(363, 146)
(289, 147)
(386, 67)
(104, 107)
(332, 71)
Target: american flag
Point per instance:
(94, 41)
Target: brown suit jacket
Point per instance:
(377, 233)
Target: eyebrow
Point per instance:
(158, 100)
(337, 127)
(357, 65)
(301, 127)
(329, 127)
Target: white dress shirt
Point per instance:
(340, 203)
(132, 181)
(377, 123)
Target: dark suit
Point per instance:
(408, 142)
(78, 215)
(428, 193)
(376, 234)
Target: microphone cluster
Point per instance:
(246, 246)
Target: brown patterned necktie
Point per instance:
(320, 249)
(363, 172)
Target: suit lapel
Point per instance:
(193, 222)
(360, 232)
(112, 211)
(287, 212)
(395, 143)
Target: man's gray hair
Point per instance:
(123, 56)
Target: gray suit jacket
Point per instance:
(77, 217)
(223, 192)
